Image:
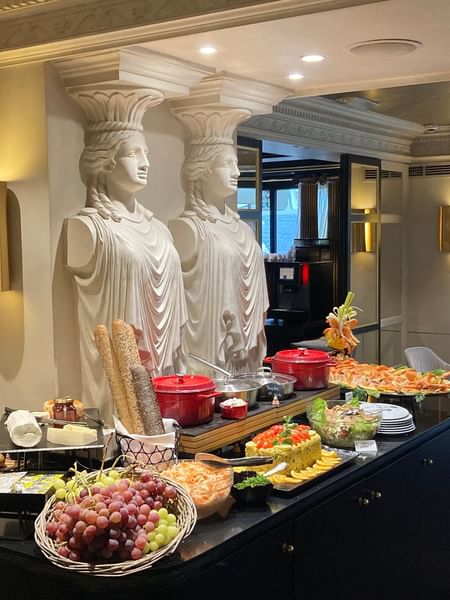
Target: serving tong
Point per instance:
(220, 462)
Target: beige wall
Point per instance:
(27, 375)
(364, 265)
(393, 264)
(428, 321)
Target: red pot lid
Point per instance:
(302, 356)
(183, 383)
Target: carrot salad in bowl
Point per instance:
(208, 486)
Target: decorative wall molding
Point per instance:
(53, 28)
(326, 124)
(139, 66)
(431, 145)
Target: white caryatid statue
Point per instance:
(223, 268)
(123, 259)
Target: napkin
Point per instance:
(166, 440)
(23, 429)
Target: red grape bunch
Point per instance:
(124, 520)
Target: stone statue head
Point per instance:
(209, 168)
(113, 159)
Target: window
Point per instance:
(287, 218)
(266, 222)
(322, 210)
(246, 198)
(282, 213)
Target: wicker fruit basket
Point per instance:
(182, 507)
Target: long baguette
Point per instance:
(109, 361)
(146, 401)
(128, 357)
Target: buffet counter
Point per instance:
(376, 529)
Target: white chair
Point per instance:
(424, 359)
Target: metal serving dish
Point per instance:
(231, 386)
(237, 387)
(271, 384)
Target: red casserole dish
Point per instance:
(311, 368)
(189, 399)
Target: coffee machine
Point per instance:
(297, 288)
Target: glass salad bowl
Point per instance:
(340, 423)
(208, 486)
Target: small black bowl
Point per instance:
(251, 496)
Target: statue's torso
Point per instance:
(135, 275)
(226, 293)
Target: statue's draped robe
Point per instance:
(135, 276)
(226, 293)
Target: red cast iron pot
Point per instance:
(311, 368)
(189, 399)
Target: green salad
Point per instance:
(344, 423)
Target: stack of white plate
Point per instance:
(396, 420)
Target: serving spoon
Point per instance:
(211, 365)
(279, 467)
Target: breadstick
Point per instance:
(127, 357)
(109, 361)
(146, 401)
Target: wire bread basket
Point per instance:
(153, 451)
(143, 452)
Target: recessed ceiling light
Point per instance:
(312, 58)
(207, 50)
(295, 76)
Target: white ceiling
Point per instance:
(269, 51)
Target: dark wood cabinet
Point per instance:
(330, 548)
(386, 537)
(261, 569)
(432, 523)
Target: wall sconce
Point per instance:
(4, 261)
(444, 228)
(364, 234)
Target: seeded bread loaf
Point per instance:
(111, 367)
(128, 357)
(146, 401)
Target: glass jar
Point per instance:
(64, 409)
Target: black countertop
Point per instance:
(217, 535)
